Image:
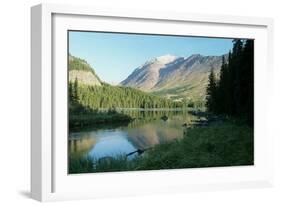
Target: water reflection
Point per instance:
(147, 130)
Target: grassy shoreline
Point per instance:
(86, 120)
(226, 143)
(83, 117)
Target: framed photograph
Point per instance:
(136, 102)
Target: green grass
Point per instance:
(219, 144)
(88, 165)
(224, 144)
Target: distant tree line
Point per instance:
(108, 97)
(233, 92)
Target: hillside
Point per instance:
(108, 96)
(79, 69)
(92, 93)
(175, 77)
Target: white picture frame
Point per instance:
(49, 181)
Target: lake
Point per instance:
(149, 128)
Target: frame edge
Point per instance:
(36, 108)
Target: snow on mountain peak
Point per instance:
(165, 59)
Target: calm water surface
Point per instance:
(148, 129)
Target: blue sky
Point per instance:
(114, 56)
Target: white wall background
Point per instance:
(15, 101)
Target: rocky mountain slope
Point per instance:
(175, 77)
(146, 76)
(79, 69)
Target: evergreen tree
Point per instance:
(109, 97)
(70, 92)
(236, 68)
(234, 92)
(75, 91)
(247, 81)
(223, 86)
(211, 92)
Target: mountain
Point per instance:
(175, 77)
(104, 95)
(146, 76)
(79, 69)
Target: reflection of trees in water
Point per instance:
(145, 133)
(145, 117)
(80, 146)
(143, 137)
(151, 114)
(147, 130)
(151, 134)
(97, 127)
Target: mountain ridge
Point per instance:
(148, 71)
(181, 77)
